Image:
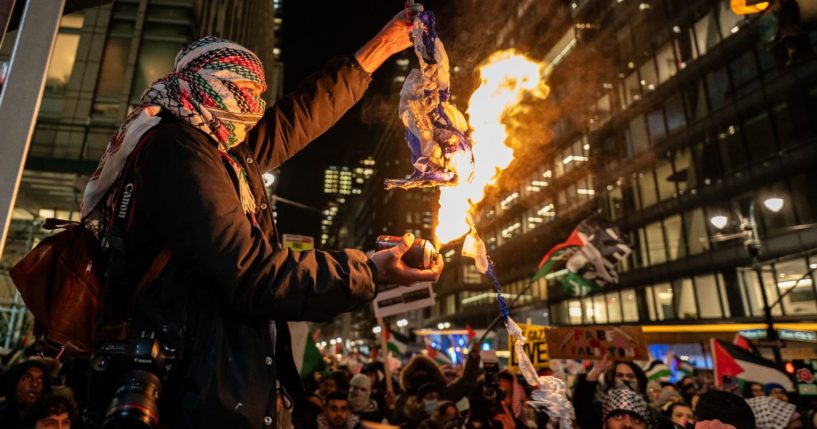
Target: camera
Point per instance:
(139, 366)
(490, 389)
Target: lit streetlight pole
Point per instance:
(751, 240)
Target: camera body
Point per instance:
(138, 367)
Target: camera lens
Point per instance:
(135, 402)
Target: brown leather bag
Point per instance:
(61, 282)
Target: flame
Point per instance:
(505, 77)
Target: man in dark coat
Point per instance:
(221, 303)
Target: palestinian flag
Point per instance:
(304, 351)
(657, 371)
(729, 360)
(396, 343)
(589, 254)
(684, 367)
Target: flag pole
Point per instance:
(492, 326)
(384, 350)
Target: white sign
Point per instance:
(398, 300)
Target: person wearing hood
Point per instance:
(446, 416)
(624, 409)
(23, 384)
(616, 375)
(422, 370)
(360, 399)
(195, 204)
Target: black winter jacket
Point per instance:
(224, 297)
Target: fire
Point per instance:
(505, 77)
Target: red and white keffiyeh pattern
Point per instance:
(214, 87)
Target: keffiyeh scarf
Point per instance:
(211, 88)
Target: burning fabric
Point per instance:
(436, 131)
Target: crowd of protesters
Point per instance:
(347, 394)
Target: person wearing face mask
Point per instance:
(446, 416)
(360, 399)
(616, 375)
(420, 406)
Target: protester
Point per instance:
(717, 408)
(200, 193)
(513, 394)
(654, 392)
(360, 400)
(420, 371)
(772, 413)
(617, 375)
(776, 391)
(681, 414)
(22, 385)
(445, 416)
(50, 412)
(337, 413)
(687, 388)
(624, 408)
(667, 398)
(751, 390)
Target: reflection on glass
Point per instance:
(655, 243)
(685, 296)
(663, 301)
(697, 231)
(613, 307)
(801, 299)
(629, 305)
(708, 299)
(675, 237)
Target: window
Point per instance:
(574, 312)
(655, 243)
(649, 77)
(675, 237)
(804, 197)
(674, 111)
(600, 309)
(666, 63)
(631, 90)
(655, 125)
(685, 296)
(114, 61)
(709, 300)
(65, 52)
(629, 305)
(696, 230)
(625, 43)
(801, 300)
(663, 301)
(684, 175)
(646, 189)
(743, 69)
(785, 128)
(650, 296)
(751, 291)
(705, 33)
(637, 136)
(733, 152)
(696, 102)
(666, 178)
(717, 83)
(760, 137)
(589, 314)
(613, 307)
(615, 202)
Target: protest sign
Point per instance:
(593, 342)
(536, 348)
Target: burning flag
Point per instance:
(435, 129)
(590, 255)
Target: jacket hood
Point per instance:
(421, 370)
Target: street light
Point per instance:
(751, 240)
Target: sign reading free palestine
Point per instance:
(593, 342)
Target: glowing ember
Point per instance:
(505, 77)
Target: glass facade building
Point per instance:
(669, 113)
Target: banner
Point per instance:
(593, 342)
(536, 348)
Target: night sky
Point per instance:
(313, 33)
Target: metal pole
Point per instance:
(752, 243)
(21, 96)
